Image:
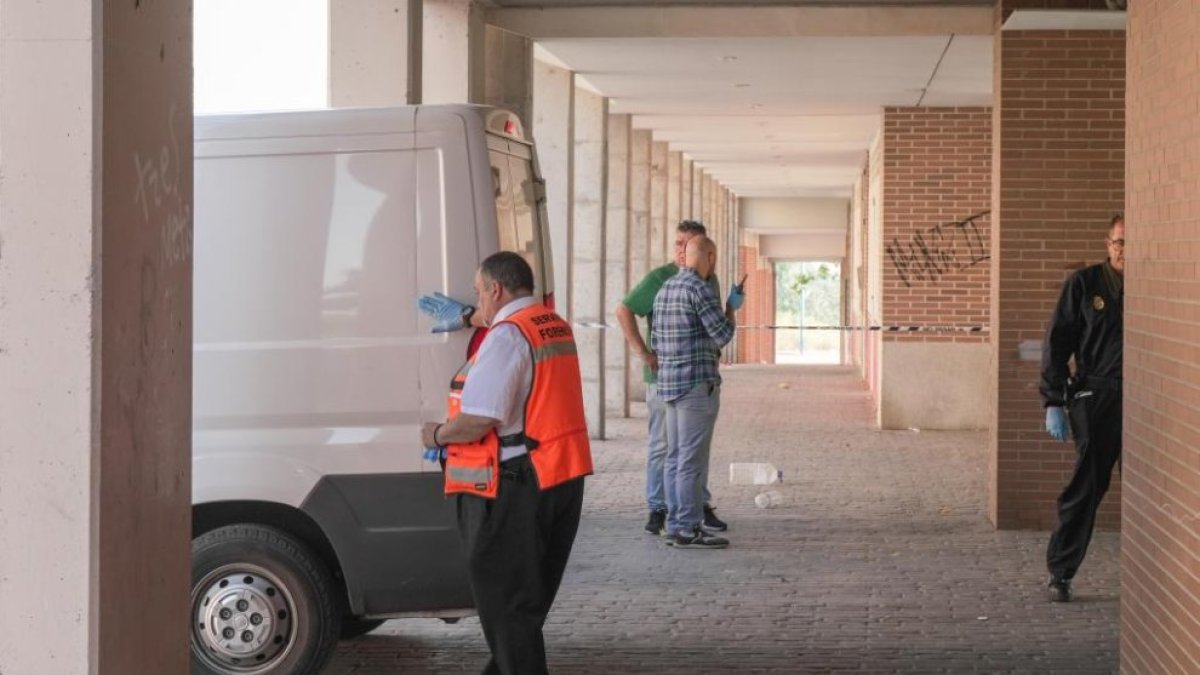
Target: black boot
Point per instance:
(1060, 589)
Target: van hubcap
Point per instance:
(242, 619)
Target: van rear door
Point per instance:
(520, 208)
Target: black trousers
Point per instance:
(1096, 425)
(517, 547)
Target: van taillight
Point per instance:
(476, 340)
(548, 300)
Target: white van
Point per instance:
(314, 515)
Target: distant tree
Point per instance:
(813, 287)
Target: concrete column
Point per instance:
(639, 233)
(686, 202)
(706, 193)
(451, 43)
(723, 243)
(875, 215)
(616, 264)
(1060, 146)
(731, 255)
(658, 204)
(588, 304)
(731, 243)
(674, 194)
(639, 204)
(1160, 541)
(697, 193)
(505, 68)
(854, 271)
(369, 53)
(553, 132)
(95, 337)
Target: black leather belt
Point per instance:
(513, 440)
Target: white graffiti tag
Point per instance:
(158, 189)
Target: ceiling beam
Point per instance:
(725, 21)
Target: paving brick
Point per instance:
(880, 560)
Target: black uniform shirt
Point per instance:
(1087, 323)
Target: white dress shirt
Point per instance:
(501, 379)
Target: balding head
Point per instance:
(701, 255)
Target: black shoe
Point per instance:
(1060, 589)
(712, 522)
(657, 523)
(697, 538)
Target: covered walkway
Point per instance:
(880, 560)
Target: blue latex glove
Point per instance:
(449, 313)
(736, 297)
(434, 454)
(1056, 423)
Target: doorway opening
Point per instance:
(808, 296)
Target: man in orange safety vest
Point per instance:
(517, 451)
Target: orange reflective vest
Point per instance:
(555, 428)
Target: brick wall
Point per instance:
(936, 195)
(1060, 143)
(1160, 548)
(756, 345)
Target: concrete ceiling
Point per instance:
(777, 116)
(772, 99)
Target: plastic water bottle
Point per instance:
(753, 473)
(769, 499)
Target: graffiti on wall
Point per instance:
(930, 254)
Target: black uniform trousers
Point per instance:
(517, 546)
(1095, 414)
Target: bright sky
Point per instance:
(261, 55)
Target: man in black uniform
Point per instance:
(1087, 324)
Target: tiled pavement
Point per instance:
(880, 560)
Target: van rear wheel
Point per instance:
(262, 604)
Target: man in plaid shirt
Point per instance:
(687, 336)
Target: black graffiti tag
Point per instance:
(943, 248)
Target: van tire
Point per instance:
(353, 627)
(284, 581)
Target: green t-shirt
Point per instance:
(640, 301)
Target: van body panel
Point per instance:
(315, 233)
(389, 531)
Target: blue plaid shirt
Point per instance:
(688, 332)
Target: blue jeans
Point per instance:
(656, 455)
(690, 421)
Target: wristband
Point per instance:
(435, 438)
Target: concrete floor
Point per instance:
(880, 560)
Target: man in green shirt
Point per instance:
(640, 302)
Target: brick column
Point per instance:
(755, 345)
(936, 197)
(1160, 547)
(1059, 151)
(766, 339)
